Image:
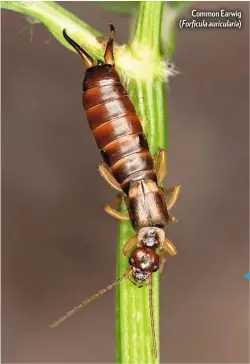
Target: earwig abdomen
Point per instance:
(116, 127)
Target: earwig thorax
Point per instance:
(146, 204)
(151, 237)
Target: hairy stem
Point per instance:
(56, 18)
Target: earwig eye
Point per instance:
(155, 269)
(131, 261)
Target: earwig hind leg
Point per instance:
(110, 210)
(168, 247)
(161, 165)
(129, 245)
(107, 176)
(109, 55)
(175, 192)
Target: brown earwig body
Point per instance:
(116, 127)
(112, 119)
(129, 168)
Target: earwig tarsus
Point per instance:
(129, 168)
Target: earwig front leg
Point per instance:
(129, 245)
(168, 247)
(113, 212)
(172, 218)
(160, 165)
(175, 192)
(107, 176)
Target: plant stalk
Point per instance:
(56, 18)
(142, 69)
(134, 343)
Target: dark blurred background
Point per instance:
(58, 245)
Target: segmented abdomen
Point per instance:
(116, 127)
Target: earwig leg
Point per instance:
(166, 247)
(116, 214)
(175, 191)
(129, 245)
(109, 56)
(161, 165)
(169, 247)
(168, 191)
(113, 212)
(172, 218)
(107, 176)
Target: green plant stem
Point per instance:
(56, 18)
(133, 332)
(172, 9)
(148, 29)
(142, 69)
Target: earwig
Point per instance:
(130, 169)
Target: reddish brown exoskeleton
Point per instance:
(129, 168)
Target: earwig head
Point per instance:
(151, 237)
(144, 262)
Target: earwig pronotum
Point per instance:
(130, 169)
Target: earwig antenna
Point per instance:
(90, 299)
(152, 316)
(109, 55)
(87, 60)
